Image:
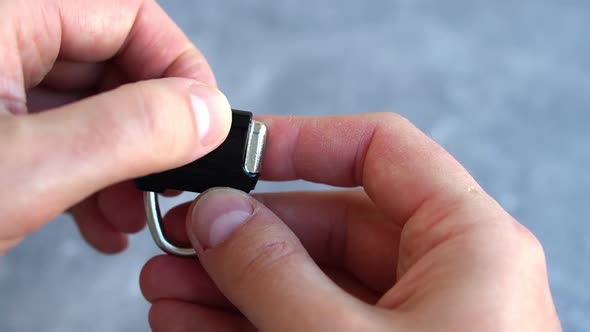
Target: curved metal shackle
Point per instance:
(154, 218)
(254, 149)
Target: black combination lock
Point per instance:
(236, 163)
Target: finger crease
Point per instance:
(361, 155)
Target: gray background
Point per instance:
(503, 85)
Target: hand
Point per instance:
(421, 247)
(59, 56)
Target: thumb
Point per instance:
(262, 268)
(63, 155)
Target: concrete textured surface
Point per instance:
(503, 85)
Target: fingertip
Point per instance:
(106, 241)
(216, 215)
(148, 276)
(173, 225)
(122, 206)
(212, 113)
(115, 246)
(97, 231)
(185, 119)
(171, 193)
(256, 260)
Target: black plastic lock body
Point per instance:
(223, 167)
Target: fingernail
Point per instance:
(217, 214)
(212, 113)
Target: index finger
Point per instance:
(138, 34)
(399, 166)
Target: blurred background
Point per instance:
(503, 85)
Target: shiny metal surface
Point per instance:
(252, 164)
(255, 147)
(154, 218)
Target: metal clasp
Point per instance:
(252, 164)
(154, 217)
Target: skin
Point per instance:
(94, 93)
(85, 104)
(419, 246)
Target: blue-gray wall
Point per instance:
(504, 85)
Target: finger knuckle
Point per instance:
(147, 281)
(158, 124)
(148, 100)
(129, 120)
(391, 119)
(532, 248)
(268, 257)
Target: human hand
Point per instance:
(59, 56)
(421, 247)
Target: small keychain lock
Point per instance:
(236, 163)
